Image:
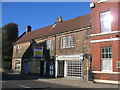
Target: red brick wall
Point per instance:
(114, 7)
(101, 7)
(104, 36)
(104, 76)
(96, 61)
(119, 15)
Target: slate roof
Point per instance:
(68, 25)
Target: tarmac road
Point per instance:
(15, 81)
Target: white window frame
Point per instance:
(106, 56)
(67, 42)
(104, 22)
(50, 44)
(64, 41)
(102, 1)
(73, 69)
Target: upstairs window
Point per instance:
(105, 21)
(50, 44)
(18, 49)
(67, 42)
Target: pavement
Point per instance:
(73, 82)
(70, 82)
(77, 83)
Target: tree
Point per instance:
(9, 36)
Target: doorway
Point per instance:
(41, 68)
(60, 72)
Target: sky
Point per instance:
(41, 14)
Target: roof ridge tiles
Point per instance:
(68, 25)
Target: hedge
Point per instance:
(6, 65)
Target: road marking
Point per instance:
(23, 86)
(2, 81)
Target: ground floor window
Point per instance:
(51, 72)
(74, 68)
(106, 58)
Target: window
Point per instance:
(105, 21)
(51, 72)
(106, 58)
(50, 44)
(118, 64)
(67, 42)
(18, 49)
(74, 68)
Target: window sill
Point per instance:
(107, 72)
(67, 48)
(104, 33)
(102, 1)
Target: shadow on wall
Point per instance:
(28, 55)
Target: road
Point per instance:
(15, 81)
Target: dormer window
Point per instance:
(105, 21)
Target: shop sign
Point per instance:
(38, 51)
(70, 57)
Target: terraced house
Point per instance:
(86, 47)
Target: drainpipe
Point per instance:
(55, 57)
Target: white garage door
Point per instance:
(74, 68)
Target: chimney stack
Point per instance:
(60, 19)
(28, 29)
(57, 20)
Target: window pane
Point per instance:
(110, 55)
(110, 49)
(105, 21)
(106, 50)
(106, 58)
(103, 56)
(106, 55)
(66, 41)
(102, 50)
(61, 41)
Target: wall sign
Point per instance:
(70, 57)
(17, 64)
(38, 51)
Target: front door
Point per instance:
(41, 68)
(60, 69)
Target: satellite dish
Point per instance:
(92, 5)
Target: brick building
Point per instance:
(105, 41)
(86, 47)
(62, 49)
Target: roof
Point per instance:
(68, 25)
